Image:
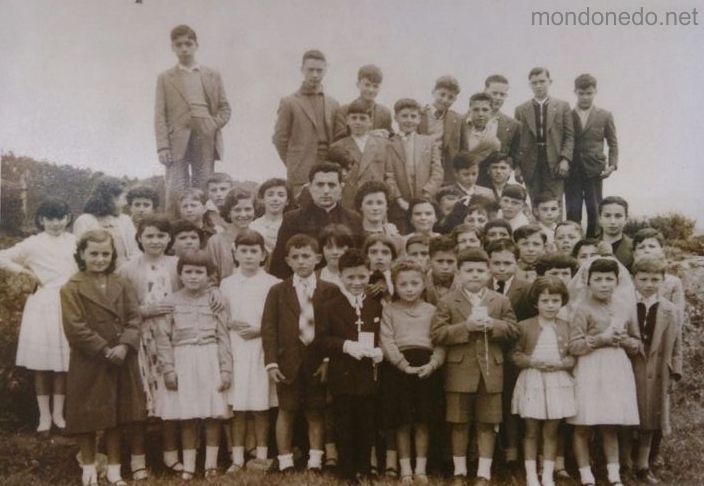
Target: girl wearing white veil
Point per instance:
(604, 332)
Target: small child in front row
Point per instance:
(347, 331)
(604, 333)
(101, 320)
(293, 362)
(544, 392)
(196, 360)
(251, 392)
(412, 388)
(659, 364)
(47, 260)
(473, 323)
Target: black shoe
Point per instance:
(646, 476)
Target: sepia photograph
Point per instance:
(327, 242)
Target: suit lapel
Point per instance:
(307, 109)
(663, 319)
(463, 305)
(368, 154)
(397, 146)
(208, 88)
(175, 81)
(329, 116)
(550, 117)
(291, 298)
(107, 300)
(418, 149)
(590, 119)
(529, 115)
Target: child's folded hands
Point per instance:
(171, 381)
(425, 371)
(225, 381)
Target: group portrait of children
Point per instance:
(417, 298)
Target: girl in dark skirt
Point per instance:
(412, 389)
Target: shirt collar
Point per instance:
(352, 299)
(541, 103)
(406, 136)
(195, 67)
(305, 90)
(507, 283)
(363, 139)
(584, 112)
(647, 301)
(467, 190)
(434, 112)
(309, 281)
(545, 323)
(479, 294)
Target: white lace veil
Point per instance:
(623, 300)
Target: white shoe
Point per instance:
(90, 476)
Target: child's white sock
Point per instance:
(171, 459)
(548, 472)
(391, 460)
(585, 474)
(57, 414)
(44, 404)
(90, 475)
(114, 474)
(189, 461)
(531, 472)
(372, 459)
(331, 451)
(484, 469)
(211, 457)
(138, 462)
(560, 463)
(238, 456)
(421, 462)
(614, 472)
(460, 465)
(405, 463)
(285, 461)
(262, 453)
(315, 459)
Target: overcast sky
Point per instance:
(79, 75)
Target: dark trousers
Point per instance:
(544, 180)
(354, 429)
(199, 158)
(578, 188)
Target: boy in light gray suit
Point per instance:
(305, 123)
(191, 109)
(592, 126)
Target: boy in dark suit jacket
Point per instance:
(547, 138)
(592, 125)
(191, 109)
(442, 123)
(347, 331)
(305, 122)
(292, 361)
(474, 324)
(367, 150)
(369, 80)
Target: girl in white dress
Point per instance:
(103, 210)
(246, 290)
(153, 276)
(275, 195)
(544, 392)
(604, 332)
(196, 361)
(47, 259)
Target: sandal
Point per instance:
(119, 482)
(140, 474)
(187, 475)
(234, 468)
(176, 467)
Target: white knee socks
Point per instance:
(57, 414)
(44, 404)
